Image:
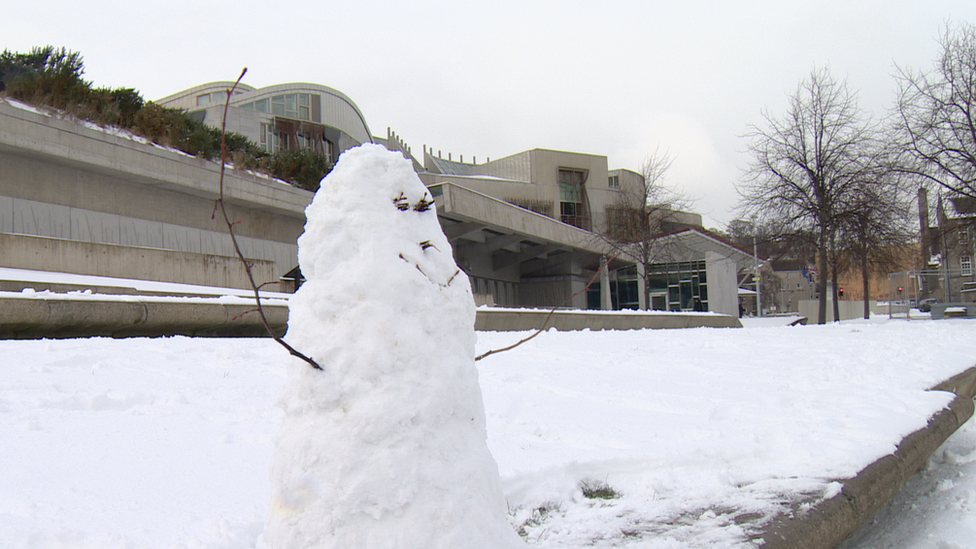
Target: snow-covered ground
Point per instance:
(168, 442)
(937, 507)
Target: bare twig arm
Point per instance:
(230, 228)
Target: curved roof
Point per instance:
(338, 110)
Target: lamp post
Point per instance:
(758, 277)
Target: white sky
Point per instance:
(489, 79)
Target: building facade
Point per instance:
(692, 268)
(948, 248)
(77, 198)
(279, 117)
(529, 229)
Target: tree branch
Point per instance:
(230, 228)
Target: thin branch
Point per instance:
(233, 237)
(540, 329)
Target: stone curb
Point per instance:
(829, 522)
(56, 318)
(22, 318)
(512, 320)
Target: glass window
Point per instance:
(966, 265)
(686, 295)
(203, 100)
(657, 282)
(569, 192)
(219, 97)
(964, 236)
(278, 105)
(291, 105)
(262, 105)
(614, 181)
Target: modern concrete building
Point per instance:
(82, 199)
(579, 191)
(526, 228)
(283, 116)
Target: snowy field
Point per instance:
(167, 442)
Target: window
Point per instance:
(964, 235)
(292, 105)
(571, 197)
(966, 265)
(278, 105)
(203, 100)
(304, 110)
(267, 137)
(614, 181)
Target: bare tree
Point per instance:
(877, 226)
(936, 114)
(807, 164)
(642, 215)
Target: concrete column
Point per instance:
(606, 303)
(723, 287)
(642, 303)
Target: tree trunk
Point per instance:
(833, 278)
(822, 266)
(833, 291)
(867, 286)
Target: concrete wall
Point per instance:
(509, 320)
(34, 318)
(722, 284)
(848, 309)
(87, 258)
(101, 202)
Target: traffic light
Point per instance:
(900, 289)
(841, 292)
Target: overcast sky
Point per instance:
(489, 79)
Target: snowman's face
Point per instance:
(427, 257)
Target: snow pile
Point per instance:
(386, 446)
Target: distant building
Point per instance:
(279, 117)
(947, 249)
(579, 190)
(796, 281)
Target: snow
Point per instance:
(385, 445)
(670, 439)
(936, 508)
(168, 442)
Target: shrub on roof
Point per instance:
(52, 77)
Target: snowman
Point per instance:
(385, 446)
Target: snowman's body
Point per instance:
(386, 446)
